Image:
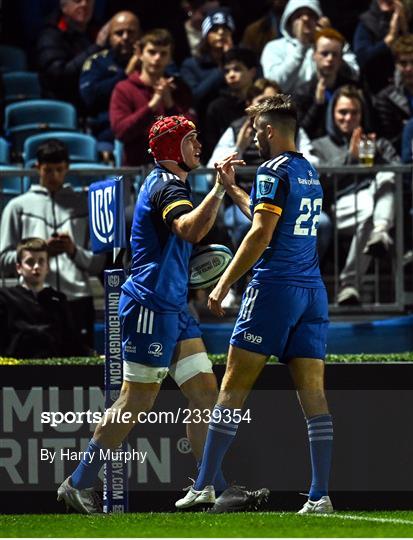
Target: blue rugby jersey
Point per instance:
(289, 186)
(160, 259)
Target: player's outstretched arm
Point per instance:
(194, 225)
(241, 199)
(226, 176)
(252, 247)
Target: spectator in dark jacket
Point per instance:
(377, 30)
(103, 70)
(63, 46)
(240, 70)
(35, 320)
(312, 98)
(144, 95)
(203, 73)
(394, 104)
(260, 32)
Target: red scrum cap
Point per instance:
(166, 136)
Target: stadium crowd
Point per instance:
(120, 66)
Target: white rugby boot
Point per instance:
(322, 506)
(83, 501)
(205, 496)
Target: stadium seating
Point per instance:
(12, 59)
(20, 85)
(83, 154)
(82, 147)
(81, 183)
(12, 185)
(117, 152)
(4, 152)
(21, 120)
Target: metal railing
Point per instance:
(202, 178)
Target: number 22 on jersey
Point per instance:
(306, 223)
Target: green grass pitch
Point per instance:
(192, 525)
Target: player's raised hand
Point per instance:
(226, 169)
(216, 297)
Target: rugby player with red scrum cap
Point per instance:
(159, 336)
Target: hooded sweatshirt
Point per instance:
(38, 213)
(333, 150)
(290, 63)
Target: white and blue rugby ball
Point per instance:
(207, 265)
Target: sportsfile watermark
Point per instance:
(115, 416)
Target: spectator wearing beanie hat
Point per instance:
(203, 72)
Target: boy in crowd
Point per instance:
(146, 94)
(53, 211)
(35, 320)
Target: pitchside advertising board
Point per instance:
(371, 410)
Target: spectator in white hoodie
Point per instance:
(289, 59)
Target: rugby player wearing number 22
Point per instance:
(284, 310)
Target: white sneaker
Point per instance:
(380, 244)
(322, 506)
(348, 296)
(193, 497)
(83, 501)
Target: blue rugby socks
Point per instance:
(88, 469)
(320, 435)
(221, 433)
(220, 484)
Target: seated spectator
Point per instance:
(289, 59)
(312, 98)
(104, 69)
(365, 209)
(57, 214)
(239, 137)
(186, 28)
(240, 70)
(260, 32)
(62, 48)
(35, 320)
(394, 104)
(375, 34)
(146, 94)
(203, 72)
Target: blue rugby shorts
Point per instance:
(282, 320)
(149, 337)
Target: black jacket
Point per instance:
(373, 55)
(393, 111)
(220, 114)
(37, 326)
(61, 52)
(311, 115)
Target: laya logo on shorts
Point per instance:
(155, 349)
(252, 338)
